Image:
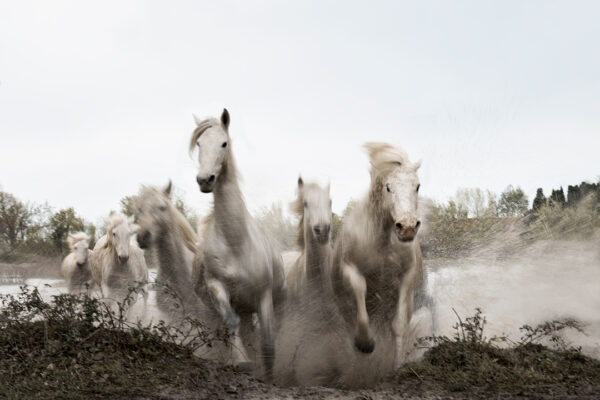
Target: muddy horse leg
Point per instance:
(363, 340)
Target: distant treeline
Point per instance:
(478, 223)
(474, 220)
(574, 195)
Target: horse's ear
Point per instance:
(417, 165)
(196, 119)
(167, 189)
(300, 182)
(225, 118)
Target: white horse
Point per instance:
(311, 263)
(162, 225)
(242, 267)
(117, 262)
(309, 330)
(377, 260)
(75, 267)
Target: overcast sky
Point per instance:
(97, 97)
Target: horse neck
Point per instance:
(169, 245)
(230, 210)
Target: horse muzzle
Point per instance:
(407, 233)
(322, 233)
(206, 184)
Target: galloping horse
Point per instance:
(377, 260)
(75, 267)
(117, 263)
(163, 226)
(242, 267)
(310, 265)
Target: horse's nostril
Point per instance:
(398, 225)
(199, 180)
(211, 179)
(418, 224)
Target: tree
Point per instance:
(61, 224)
(558, 197)
(513, 202)
(91, 230)
(128, 205)
(476, 202)
(18, 221)
(539, 200)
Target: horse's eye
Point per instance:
(224, 145)
(418, 187)
(305, 204)
(114, 234)
(162, 208)
(388, 188)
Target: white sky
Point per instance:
(97, 97)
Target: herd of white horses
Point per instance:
(324, 314)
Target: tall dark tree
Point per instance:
(539, 200)
(573, 195)
(558, 197)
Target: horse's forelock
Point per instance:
(383, 155)
(75, 238)
(201, 127)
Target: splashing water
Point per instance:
(551, 280)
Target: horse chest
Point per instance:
(120, 276)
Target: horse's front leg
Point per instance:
(363, 340)
(220, 299)
(404, 312)
(265, 316)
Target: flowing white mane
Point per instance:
(75, 238)
(116, 220)
(383, 155)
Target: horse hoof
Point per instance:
(365, 345)
(245, 367)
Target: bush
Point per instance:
(470, 361)
(76, 345)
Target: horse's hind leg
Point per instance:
(220, 299)
(356, 281)
(265, 316)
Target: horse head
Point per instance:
(395, 188)
(212, 139)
